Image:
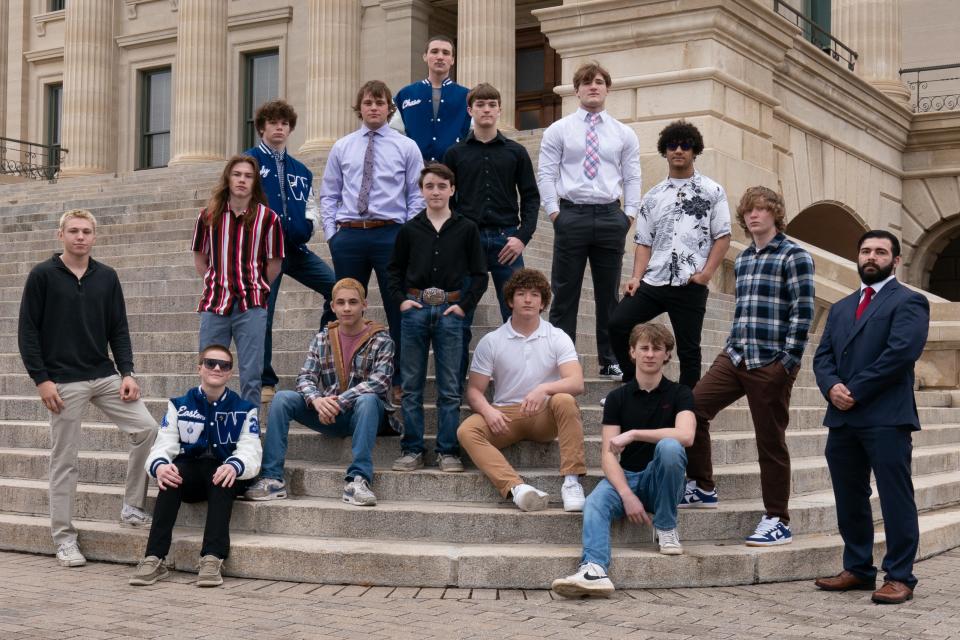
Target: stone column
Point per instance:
(200, 83)
(407, 29)
(487, 52)
(872, 29)
(89, 107)
(333, 71)
(4, 28)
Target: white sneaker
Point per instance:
(68, 555)
(134, 517)
(669, 542)
(529, 498)
(573, 498)
(589, 580)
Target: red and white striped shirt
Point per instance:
(238, 260)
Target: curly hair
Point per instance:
(275, 110)
(678, 132)
(764, 198)
(527, 278)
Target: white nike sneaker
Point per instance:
(589, 580)
(528, 498)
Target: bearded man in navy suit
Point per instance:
(864, 368)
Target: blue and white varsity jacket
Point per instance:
(434, 135)
(228, 426)
(301, 216)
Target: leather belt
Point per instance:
(364, 224)
(434, 295)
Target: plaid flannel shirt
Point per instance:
(774, 305)
(371, 372)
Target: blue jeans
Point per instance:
(357, 252)
(659, 487)
(493, 239)
(308, 269)
(247, 330)
(420, 327)
(361, 423)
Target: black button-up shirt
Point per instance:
(489, 177)
(424, 257)
(630, 407)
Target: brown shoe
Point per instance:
(396, 395)
(846, 581)
(892, 592)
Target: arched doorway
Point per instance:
(945, 274)
(829, 225)
(934, 264)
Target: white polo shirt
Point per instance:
(517, 363)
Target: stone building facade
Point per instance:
(132, 84)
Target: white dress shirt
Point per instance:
(563, 150)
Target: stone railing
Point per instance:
(836, 278)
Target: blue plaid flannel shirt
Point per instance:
(371, 372)
(774, 307)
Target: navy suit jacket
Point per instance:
(874, 357)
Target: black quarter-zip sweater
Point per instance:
(67, 323)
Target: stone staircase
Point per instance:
(429, 528)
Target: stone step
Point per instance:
(360, 560)
(734, 481)
(465, 523)
(303, 444)
(734, 418)
(172, 385)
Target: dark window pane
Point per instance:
(57, 5)
(54, 107)
(261, 83)
(160, 101)
(529, 70)
(529, 120)
(155, 108)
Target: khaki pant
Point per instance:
(131, 417)
(559, 419)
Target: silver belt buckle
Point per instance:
(433, 296)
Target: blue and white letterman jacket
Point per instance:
(301, 216)
(227, 427)
(434, 135)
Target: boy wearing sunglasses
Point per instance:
(683, 232)
(209, 440)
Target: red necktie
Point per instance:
(867, 297)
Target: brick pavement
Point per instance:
(41, 600)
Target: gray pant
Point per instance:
(247, 329)
(132, 418)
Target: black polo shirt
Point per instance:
(630, 407)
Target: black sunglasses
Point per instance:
(213, 363)
(686, 146)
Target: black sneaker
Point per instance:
(611, 371)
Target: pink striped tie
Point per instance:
(591, 161)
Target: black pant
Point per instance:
(593, 232)
(685, 305)
(197, 486)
